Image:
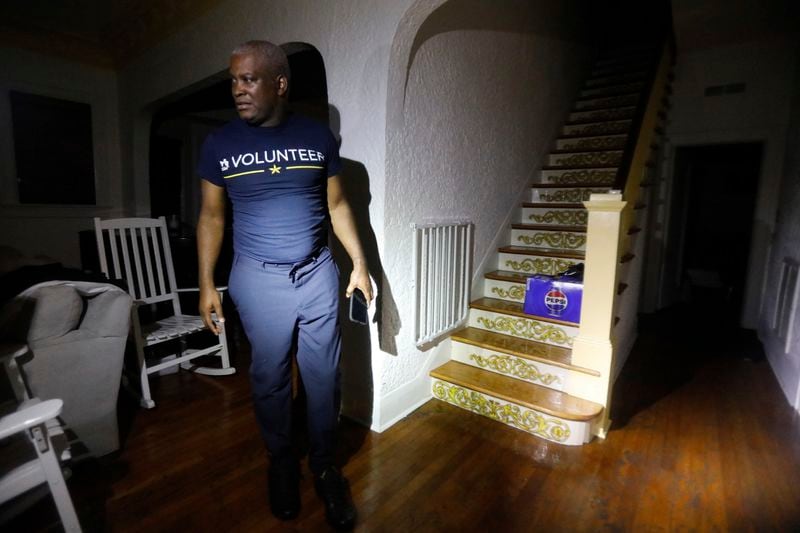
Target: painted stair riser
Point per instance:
(577, 216)
(534, 264)
(603, 102)
(624, 60)
(607, 142)
(582, 176)
(601, 159)
(612, 90)
(524, 328)
(548, 427)
(614, 79)
(504, 290)
(613, 127)
(600, 115)
(555, 240)
(536, 372)
(565, 194)
(620, 68)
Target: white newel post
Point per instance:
(592, 347)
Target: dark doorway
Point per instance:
(712, 219)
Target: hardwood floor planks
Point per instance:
(702, 440)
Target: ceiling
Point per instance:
(111, 32)
(102, 32)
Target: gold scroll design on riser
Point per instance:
(569, 195)
(540, 265)
(604, 128)
(512, 415)
(589, 177)
(614, 101)
(599, 143)
(514, 366)
(598, 158)
(513, 293)
(559, 239)
(567, 218)
(628, 87)
(606, 114)
(527, 329)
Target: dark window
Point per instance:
(53, 150)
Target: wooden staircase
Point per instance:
(516, 368)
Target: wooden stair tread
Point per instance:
(495, 305)
(531, 396)
(571, 185)
(578, 167)
(511, 276)
(584, 151)
(582, 98)
(545, 252)
(549, 227)
(594, 120)
(606, 108)
(627, 77)
(553, 205)
(615, 90)
(598, 107)
(523, 348)
(572, 136)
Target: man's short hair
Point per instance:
(273, 55)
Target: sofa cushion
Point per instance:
(43, 312)
(58, 311)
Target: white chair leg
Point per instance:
(55, 479)
(223, 353)
(146, 400)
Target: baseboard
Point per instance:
(410, 396)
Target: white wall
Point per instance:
(52, 230)
(758, 114)
(785, 242)
(476, 97)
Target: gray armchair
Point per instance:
(76, 332)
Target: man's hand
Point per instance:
(359, 278)
(210, 227)
(344, 226)
(210, 302)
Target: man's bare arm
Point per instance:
(344, 227)
(210, 231)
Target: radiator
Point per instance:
(442, 277)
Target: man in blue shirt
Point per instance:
(281, 173)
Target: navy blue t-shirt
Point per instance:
(276, 179)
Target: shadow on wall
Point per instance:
(356, 342)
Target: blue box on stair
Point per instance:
(556, 296)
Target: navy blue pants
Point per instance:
(280, 305)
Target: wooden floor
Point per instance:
(702, 440)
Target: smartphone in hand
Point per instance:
(358, 307)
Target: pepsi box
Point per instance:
(556, 297)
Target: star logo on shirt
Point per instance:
(275, 169)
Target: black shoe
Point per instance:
(334, 490)
(284, 488)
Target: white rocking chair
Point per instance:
(26, 434)
(140, 254)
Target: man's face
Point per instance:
(256, 92)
